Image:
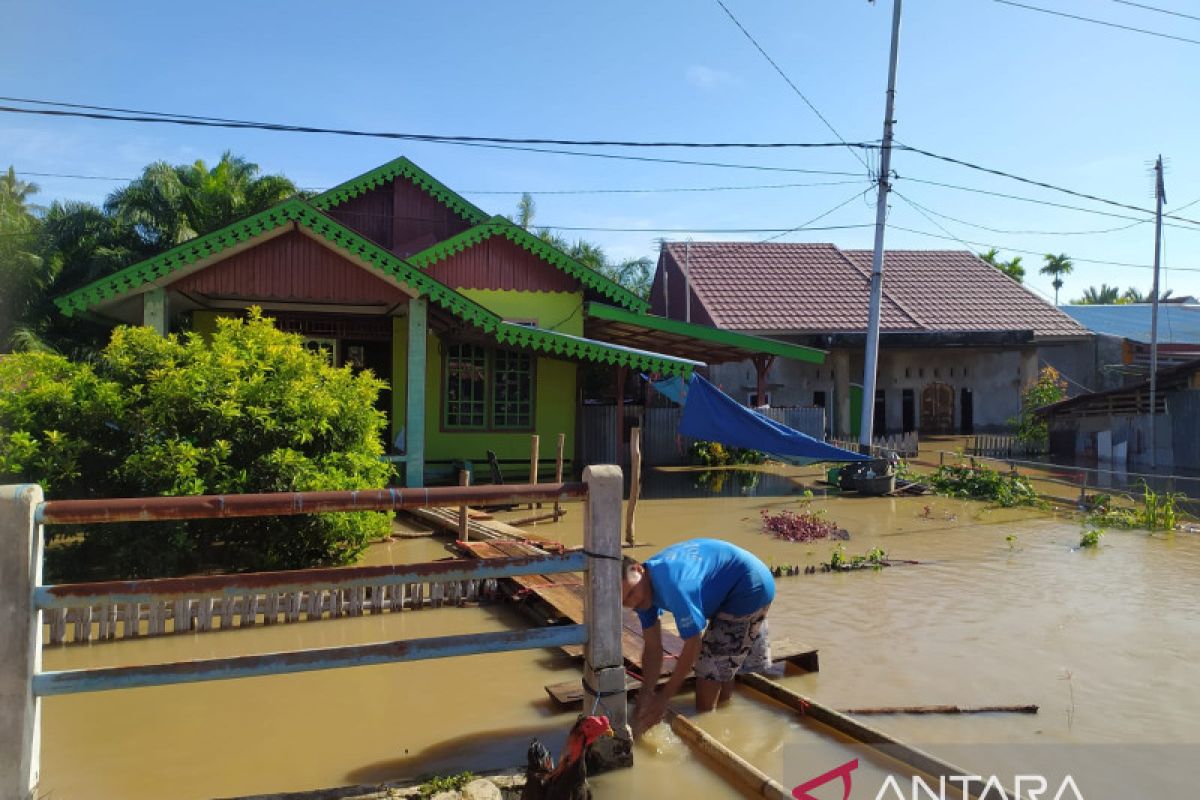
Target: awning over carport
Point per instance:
(687, 339)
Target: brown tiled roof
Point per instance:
(819, 288)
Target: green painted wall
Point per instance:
(555, 389)
(205, 322)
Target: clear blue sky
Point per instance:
(1063, 101)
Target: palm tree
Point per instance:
(15, 194)
(168, 205)
(1012, 269)
(1133, 295)
(1104, 296)
(1057, 266)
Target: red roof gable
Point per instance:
(801, 288)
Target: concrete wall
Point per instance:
(1083, 363)
(992, 375)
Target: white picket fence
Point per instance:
(902, 444)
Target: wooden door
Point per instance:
(937, 408)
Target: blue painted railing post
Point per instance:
(21, 655)
(604, 670)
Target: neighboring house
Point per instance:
(1123, 337)
(1113, 427)
(959, 339)
(476, 325)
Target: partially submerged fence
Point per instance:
(902, 444)
(1004, 446)
(24, 600)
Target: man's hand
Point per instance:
(649, 711)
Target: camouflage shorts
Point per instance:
(734, 644)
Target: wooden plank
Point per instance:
(785, 651)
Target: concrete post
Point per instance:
(21, 656)
(154, 310)
(604, 670)
(841, 392)
(414, 426)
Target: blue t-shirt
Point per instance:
(696, 579)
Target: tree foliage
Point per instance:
(1104, 296)
(248, 410)
(71, 244)
(1057, 266)
(1049, 388)
(635, 274)
(1012, 268)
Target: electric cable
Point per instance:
(1095, 21)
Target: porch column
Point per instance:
(841, 392)
(154, 310)
(414, 423)
(620, 414)
(1029, 367)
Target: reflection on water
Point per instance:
(1002, 610)
(720, 482)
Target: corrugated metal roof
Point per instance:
(1178, 323)
(818, 288)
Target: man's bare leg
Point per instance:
(707, 694)
(726, 692)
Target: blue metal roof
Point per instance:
(1178, 323)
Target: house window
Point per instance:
(487, 389)
(753, 400)
(512, 396)
(466, 386)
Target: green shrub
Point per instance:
(248, 410)
(715, 454)
(982, 483)
(1030, 428)
(1091, 538)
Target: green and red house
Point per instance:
(477, 326)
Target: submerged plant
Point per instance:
(1157, 511)
(1091, 538)
(799, 526)
(445, 783)
(983, 483)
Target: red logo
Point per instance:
(801, 791)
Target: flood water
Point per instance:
(1105, 641)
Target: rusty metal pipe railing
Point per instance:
(148, 509)
(144, 591)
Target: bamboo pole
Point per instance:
(558, 471)
(533, 464)
(464, 534)
(635, 481)
(889, 746)
(1030, 709)
(756, 782)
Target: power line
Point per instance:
(804, 225)
(790, 82)
(1032, 182)
(1008, 232)
(132, 115)
(970, 242)
(659, 190)
(498, 143)
(1156, 8)
(1099, 22)
(69, 175)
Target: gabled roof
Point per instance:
(713, 345)
(139, 276)
(400, 168)
(502, 226)
(1178, 323)
(801, 288)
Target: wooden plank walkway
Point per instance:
(551, 599)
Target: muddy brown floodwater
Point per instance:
(1105, 641)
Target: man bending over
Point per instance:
(701, 582)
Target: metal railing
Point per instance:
(24, 599)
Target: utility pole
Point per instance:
(871, 360)
(1160, 197)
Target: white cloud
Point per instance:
(703, 77)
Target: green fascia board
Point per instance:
(502, 226)
(400, 168)
(143, 273)
(752, 344)
(580, 348)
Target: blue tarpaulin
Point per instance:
(714, 416)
